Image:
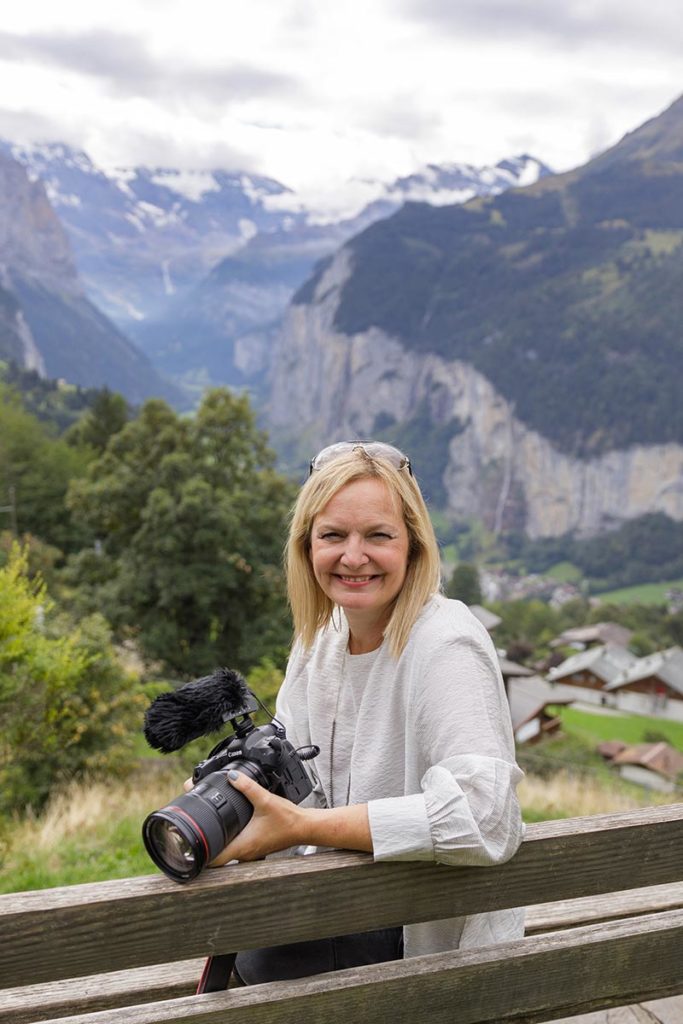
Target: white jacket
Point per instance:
(433, 755)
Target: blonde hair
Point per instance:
(311, 607)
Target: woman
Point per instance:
(401, 690)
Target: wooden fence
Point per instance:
(581, 952)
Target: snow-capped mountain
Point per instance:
(47, 323)
(188, 262)
(141, 235)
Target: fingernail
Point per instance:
(232, 774)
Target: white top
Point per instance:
(432, 753)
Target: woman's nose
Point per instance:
(354, 554)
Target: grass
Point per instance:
(88, 833)
(567, 795)
(643, 593)
(593, 729)
(91, 831)
(565, 572)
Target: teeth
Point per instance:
(355, 579)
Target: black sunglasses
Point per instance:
(373, 449)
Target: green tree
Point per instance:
(108, 414)
(66, 706)
(35, 472)
(464, 584)
(191, 518)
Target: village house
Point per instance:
(654, 765)
(658, 677)
(529, 700)
(612, 675)
(593, 669)
(600, 633)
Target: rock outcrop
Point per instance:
(46, 321)
(325, 385)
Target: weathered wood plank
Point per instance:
(610, 906)
(99, 992)
(55, 933)
(151, 984)
(522, 982)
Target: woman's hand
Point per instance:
(276, 824)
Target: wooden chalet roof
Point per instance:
(598, 633)
(528, 698)
(607, 663)
(666, 666)
(658, 757)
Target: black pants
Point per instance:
(301, 959)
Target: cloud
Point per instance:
(563, 26)
(25, 126)
(163, 150)
(128, 69)
(401, 118)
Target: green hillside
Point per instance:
(567, 295)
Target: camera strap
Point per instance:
(216, 974)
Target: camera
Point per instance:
(190, 831)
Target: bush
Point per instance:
(66, 706)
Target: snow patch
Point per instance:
(160, 218)
(529, 174)
(192, 185)
(58, 198)
(247, 228)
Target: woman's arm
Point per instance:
(278, 824)
(467, 811)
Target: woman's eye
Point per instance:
(382, 536)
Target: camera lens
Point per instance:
(172, 846)
(189, 832)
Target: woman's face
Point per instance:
(359, 551)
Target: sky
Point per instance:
(323, 96)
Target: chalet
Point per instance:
(594, 668)
(529, 701)
(659, 676)
(614, 676)
(599, 633)
(655, 765)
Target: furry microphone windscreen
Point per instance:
(196, 709)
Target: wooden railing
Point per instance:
(580, 953)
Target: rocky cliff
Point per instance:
(46, 321)
(326, 385)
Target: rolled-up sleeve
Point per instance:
(467, 810)
(467, 813)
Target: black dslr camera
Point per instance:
(188, 833)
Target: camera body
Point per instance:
(191, 831)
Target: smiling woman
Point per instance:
(400, 688)
(359, 556)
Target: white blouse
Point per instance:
(426, 741)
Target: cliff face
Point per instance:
(32, 240)
(326, 385)
(46, 321)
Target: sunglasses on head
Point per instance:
(373, 450)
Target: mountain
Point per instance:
(527, 348)
(46, 321)
(191, 263)
(576, 278)
(140, 235)
(222, 330)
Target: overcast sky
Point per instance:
(315, 93)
